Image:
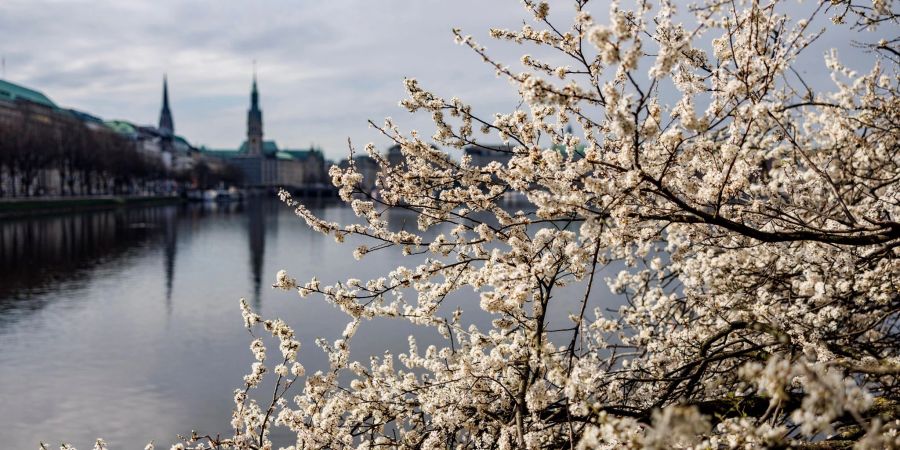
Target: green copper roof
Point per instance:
(269, 148)
(13, 92)
(220, 153)
(121, 127)
(83, 116)
(303, 154)
(579, 150)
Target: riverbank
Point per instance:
(10, 207)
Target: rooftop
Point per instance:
(270, 149)
(14, 92)
(122, 127)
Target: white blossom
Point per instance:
(752, 218)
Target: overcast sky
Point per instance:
(325, 67)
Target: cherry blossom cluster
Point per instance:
(753, 217)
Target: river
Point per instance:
(124, 324)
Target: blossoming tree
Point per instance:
(757, 217)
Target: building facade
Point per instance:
(264, 165)
(47, 150)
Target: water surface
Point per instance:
(125, 325)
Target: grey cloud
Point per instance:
(324, 67)
(309, 69)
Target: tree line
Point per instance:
(77, 159)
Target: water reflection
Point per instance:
(124, 324)
(256, 238)
(170, 251)
(97, 309)
(44, 253)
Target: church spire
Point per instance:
(254, 120)
(166, 125)
(254, 93)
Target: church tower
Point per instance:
(254, 123)
(166, 126)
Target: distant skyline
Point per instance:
(324, 68)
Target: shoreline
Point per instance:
(16, 207)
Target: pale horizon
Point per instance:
(323, 70)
